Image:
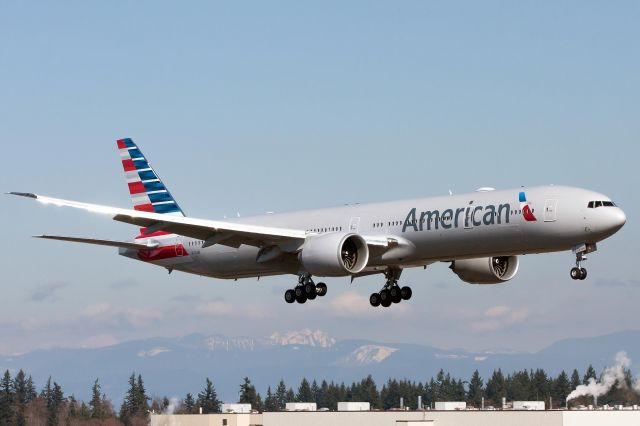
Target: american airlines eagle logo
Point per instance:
(526, 210)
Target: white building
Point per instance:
(395, 418)
(236, 408)
(301, 406)
(354, 406)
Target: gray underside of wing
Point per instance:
(94, 241)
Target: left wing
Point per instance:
(210, 231)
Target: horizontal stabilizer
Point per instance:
(110, 243)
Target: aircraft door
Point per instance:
(550, 208)
(354, 224)
(180, 246)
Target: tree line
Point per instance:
(21, 403)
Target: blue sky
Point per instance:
(273, 106)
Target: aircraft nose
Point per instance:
(616, 219)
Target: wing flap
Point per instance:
(95, 241)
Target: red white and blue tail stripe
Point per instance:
(148, 193)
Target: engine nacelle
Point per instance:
(334, 254)
(486, 270)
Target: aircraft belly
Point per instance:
(227, 262)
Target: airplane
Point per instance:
(481, 234)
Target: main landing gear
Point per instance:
(305, 290)
(391, 292)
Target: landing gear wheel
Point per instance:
(583, 273)
(290, 296)
(405, 293)
(395, 294)
(374, 299)
(299, 291)
(385, 296)
(576, 273)
(321, 289)
(310, 291)
(386, 303)
(302, 298)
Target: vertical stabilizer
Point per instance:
(148, 192)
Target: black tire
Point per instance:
(583, 273)
(321, 289)
(395, 294)
(309, 288)
(290, 296)
(302, 298)
(385, 296)
(386, 303)
(299, 291)
(575, 273)
(374, 300)
(405, 293)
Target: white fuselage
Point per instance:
(417, 232)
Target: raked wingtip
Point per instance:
(23, 194)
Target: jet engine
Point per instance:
(486, 270)
(334, 254)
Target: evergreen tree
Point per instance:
(142, 400)
(208, 399)
(248, 395)
(390, 394)
(136, 402)
(589, 374)
(561, 389)
(54, 399)
(519, 386)
(324, 398)
(316, 392)
(290, 396)
(270, 402)
(496, 389)
(6, 400)
(476, 391)
(541, 385)
(367, 391)
(97, 412)
(20, 398)
(575, 379)
(30, 389)
(189, 404)
(304, 392)
(281, 395)
(73, 407)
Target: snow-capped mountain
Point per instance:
(175, 366)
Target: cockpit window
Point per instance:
(596, 204)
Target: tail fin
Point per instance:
(148, 193)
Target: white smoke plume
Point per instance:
(171, 408)
(607, 380)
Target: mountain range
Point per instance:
(175, 366)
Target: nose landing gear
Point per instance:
(578, 272)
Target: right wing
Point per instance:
(110, 243)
